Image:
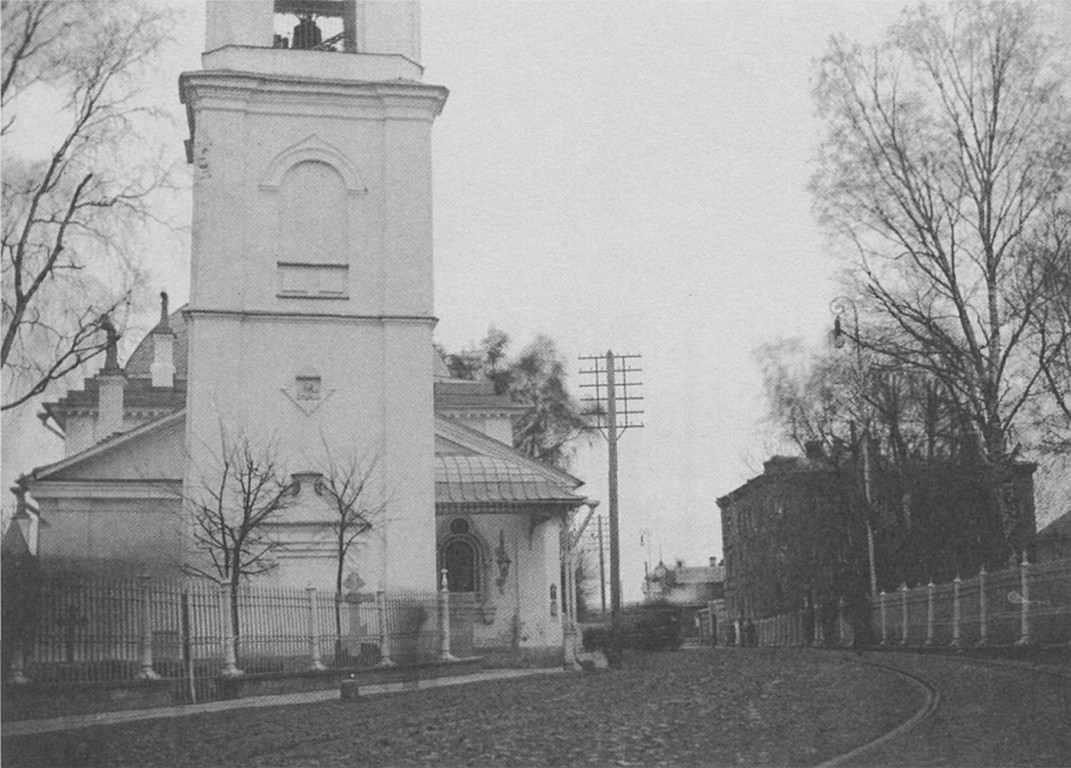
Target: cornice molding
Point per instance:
(397, 99)
(316, 317)
(106, 489)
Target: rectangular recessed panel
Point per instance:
(313, 281)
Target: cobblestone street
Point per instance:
(701, 707)
(989, 715)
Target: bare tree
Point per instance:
(348, 486)
(1049, 274)
(947, 150)
(76, 185)
(230, 508)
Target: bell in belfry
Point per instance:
(306, 34)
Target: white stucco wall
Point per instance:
(112, 536)
(519, 612)
(367, 344)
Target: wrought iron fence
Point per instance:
(1023, 605)
(85, 630)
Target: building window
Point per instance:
(463, 556)
(316, 25)
(460, 561)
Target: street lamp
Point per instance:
(839, 306)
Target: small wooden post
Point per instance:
(929, 613)
(903, 613)
(842, 625)
(819, 635)
(385, 659)
(230, 661)
(983, 628)
(884, 623)
(1025, 630)
(145, 629)
(444, 620)
(315, 661)
(956, 613)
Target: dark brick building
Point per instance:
(796, 534)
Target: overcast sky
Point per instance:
(629, 176)
(633, 176)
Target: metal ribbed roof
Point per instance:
(483, 479)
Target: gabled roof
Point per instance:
(108, 446)
(481, 471)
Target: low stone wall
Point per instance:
(21, 702)
(509, 657)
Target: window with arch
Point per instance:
(460, 557)
(314, 215)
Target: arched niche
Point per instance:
(312, 149)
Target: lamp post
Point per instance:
(839, 306)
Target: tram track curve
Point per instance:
(933, 698)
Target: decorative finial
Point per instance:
(163, 311)
(111, 354)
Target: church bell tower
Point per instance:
(310, 313)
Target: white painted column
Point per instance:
(929, 613)
(1025, 630)
(444, 620)
(884, 623)
(315, 661)
(956, 629)
(903, 613)
(385, 659)
(145, 629)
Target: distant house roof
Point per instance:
(454, 395)
(700, 574)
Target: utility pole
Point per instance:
(840, 306)
(616, 414)
(602, 567)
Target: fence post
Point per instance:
(903, 613)
(884, 624)
(230, 661)
(1025, 633)
(444, 620)
(956, 641)
(818, 637)
(983, 628)
(842, 633)
(929, 613)
(315, 661)
(145, 629)
(18, 666)
(384, 634)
